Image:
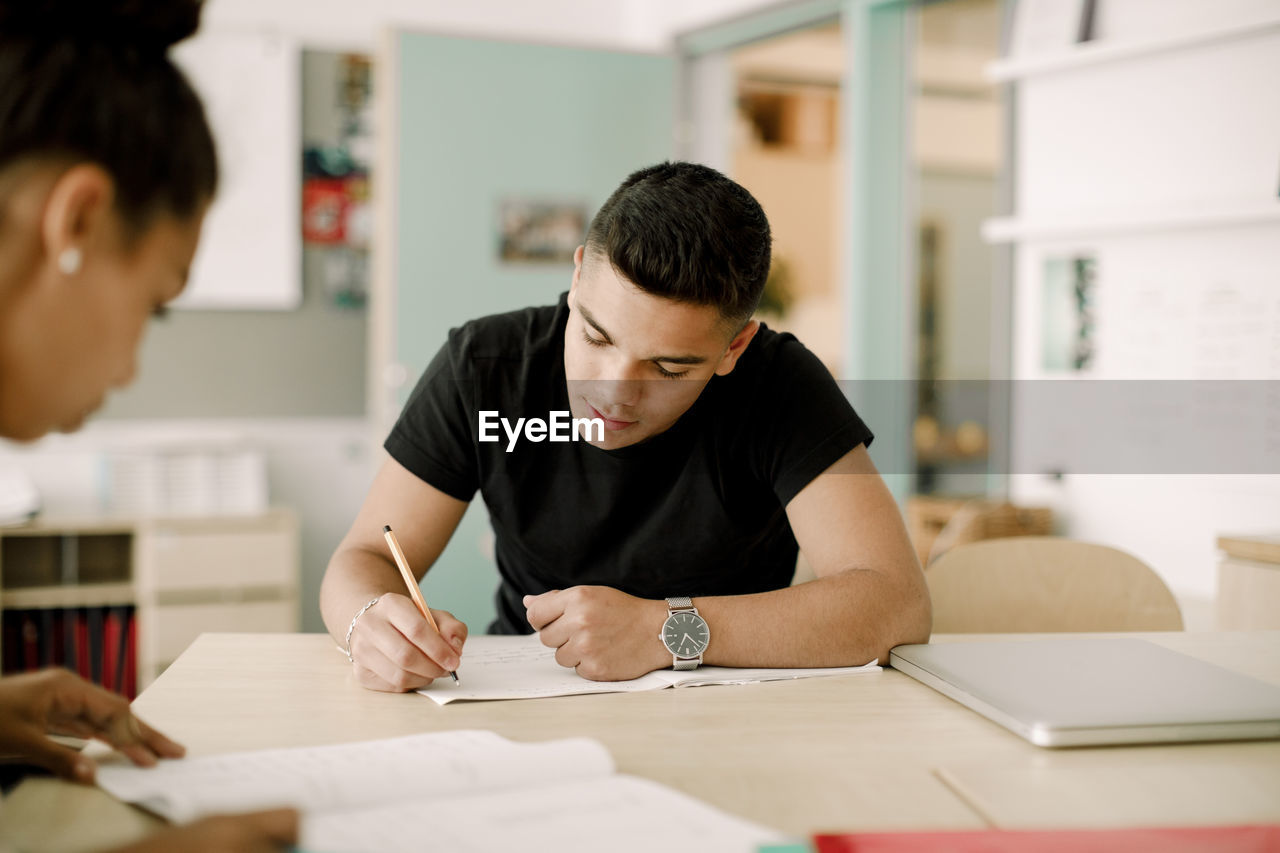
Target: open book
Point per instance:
(523, 668)
(458, 790)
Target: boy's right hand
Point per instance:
(394, 649)
(267, 831)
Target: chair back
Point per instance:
(1032, 584)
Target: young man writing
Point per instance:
(718, 445)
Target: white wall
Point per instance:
(337, 24)
(321, 468)
(656, 21)
(1158, 135)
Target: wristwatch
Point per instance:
(685, 633)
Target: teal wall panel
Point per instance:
(881, 290)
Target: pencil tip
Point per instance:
(455, 678)
(386, 528)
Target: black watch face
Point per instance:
(685, 635)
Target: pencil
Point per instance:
(412, 583)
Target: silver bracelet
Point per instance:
(352, 627)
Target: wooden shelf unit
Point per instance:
(70, 595)
(1100, 224)
(182, 575)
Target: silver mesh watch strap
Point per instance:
(675, 605)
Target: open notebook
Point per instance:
(458, 790)
(523, 668)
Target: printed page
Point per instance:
(417, 768)
(621, 814)
(522, 668)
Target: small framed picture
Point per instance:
(1049, 26)
(539, 230)
(1068, 313)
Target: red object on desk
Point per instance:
(1192, 839)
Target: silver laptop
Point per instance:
(1090, 691)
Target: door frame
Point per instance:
(875, 106)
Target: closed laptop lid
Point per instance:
(1079, 691)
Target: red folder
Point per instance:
(129, 685)
(94, 616)
(48, 637)
(82, 645)
(30, 642)
(69, 639)
(111, 630)
(1264, 838)
(12, 643)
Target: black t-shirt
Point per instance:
(696, 510)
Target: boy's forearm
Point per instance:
(846, 619)
(353, 577)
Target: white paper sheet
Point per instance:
(621, 814)
(460, 791)
(348, 776)
(523, 668)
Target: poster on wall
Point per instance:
(539, 231)
(1068, 311)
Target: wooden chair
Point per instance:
(1046, 584)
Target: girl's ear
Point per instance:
(76, 215)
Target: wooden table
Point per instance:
(874, 751)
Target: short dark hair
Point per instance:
(688, 233)
(91, 80)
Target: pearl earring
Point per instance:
(69, 261)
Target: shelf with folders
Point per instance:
(68, 600)
(118, 599)
(97, 642)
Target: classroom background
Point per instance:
(990, 220)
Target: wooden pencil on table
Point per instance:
(410, 581)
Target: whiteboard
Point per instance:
(250, 252)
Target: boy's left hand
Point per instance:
(604, 634)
